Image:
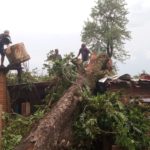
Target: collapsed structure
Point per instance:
(138, 87)
(50, 132)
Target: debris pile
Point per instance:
(129, 86)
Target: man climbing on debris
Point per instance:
(4, 40)
(84, 51)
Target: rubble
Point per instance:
(129, 86)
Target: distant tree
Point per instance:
(106, 29)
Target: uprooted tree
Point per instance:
(54, 130)
(73, 117)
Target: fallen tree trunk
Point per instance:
(49, 133)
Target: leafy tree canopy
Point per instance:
(106, 29)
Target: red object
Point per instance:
(145, 77)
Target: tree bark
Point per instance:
(110, 48)
(49, 132)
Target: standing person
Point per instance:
(4, 40)
(57, 56)
(84, 51)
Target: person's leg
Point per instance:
(19, 70)
(1, 55)
(2, 60)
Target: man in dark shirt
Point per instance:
(4, 40)
(57, 56)
(84, 51)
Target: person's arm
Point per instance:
(79, 53)
(89, 51)
(8, 45)
(7, 41)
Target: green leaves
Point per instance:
(106, 28)
(107, 115)
(16, 127)
(64, 71)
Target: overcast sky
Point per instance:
(43, 25)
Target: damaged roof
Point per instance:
(131, 87)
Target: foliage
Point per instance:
(106, 28)
(16, 126)
(106, 115)
(65, 72)
(60, 67)
(26, 77)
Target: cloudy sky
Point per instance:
(43, 25)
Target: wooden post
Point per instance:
(25, 109)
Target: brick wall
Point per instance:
(142, 91)
(3, 93)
